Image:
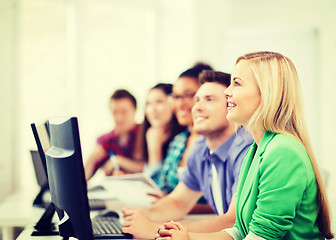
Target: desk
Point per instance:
(26, 233)
(17, 211)
(20, 213)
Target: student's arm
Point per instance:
(144, 223)
(175, 205)
(125, 164)
(155, 136)
(99, 154)
(176, 231)
(213, 235)
(94, 161)
(215, 223)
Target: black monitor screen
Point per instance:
(66, 179)
(43, 144)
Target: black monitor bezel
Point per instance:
(67, 179)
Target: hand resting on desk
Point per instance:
(172, 230)
(138, 224)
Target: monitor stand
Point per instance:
(45, 226)
(38, 201)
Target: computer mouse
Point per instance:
(110, 214)
(96, 188)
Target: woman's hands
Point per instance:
(172, 231)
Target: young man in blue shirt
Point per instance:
(212, 169)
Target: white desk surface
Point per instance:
(26, 233)
(17, 211)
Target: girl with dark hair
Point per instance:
(154, 135)
(183, 93)
(160, 126)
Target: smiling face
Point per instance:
(209, 112)
(158, 110)
(243, 94)
(183, 93)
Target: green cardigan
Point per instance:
(276, 194)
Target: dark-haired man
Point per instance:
(167, 175)
(212, 170)
(118, 142)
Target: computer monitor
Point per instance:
(67, 180)
(44, 226)
(41, 137)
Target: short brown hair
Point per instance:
(122, 93)
(214, 76)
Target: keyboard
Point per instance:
(108, 228)
(97, 204)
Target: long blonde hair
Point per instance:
(281, 111)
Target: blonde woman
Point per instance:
(280, 193)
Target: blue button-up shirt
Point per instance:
(227, 159)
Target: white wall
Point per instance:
(8, 97)
(72, 54)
